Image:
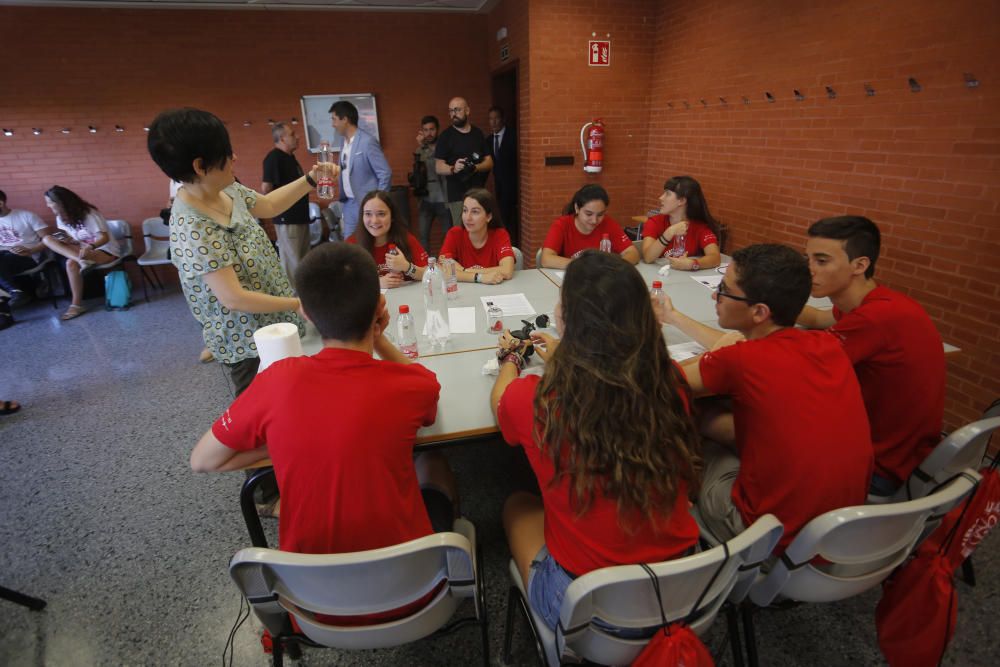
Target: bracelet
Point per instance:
(475, 277)
(511, 356)
(411, 271)
(310, 181)
(662, 241)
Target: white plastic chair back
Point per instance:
(518, 259)
(538, 258)
(623, 597)
(859, 547)
(156, 235)
(363, 582)
(315, 213)
(122, 231)
(962, 449)
(315, 232)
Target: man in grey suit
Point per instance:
(363, 165)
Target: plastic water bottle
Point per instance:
(657, 292)
(325, 187)
(406, 332)
(605, 243)
(392, 251)
(450, 276)
(494, 318)
(679, 246)
(436, 303)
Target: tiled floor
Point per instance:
(101, 516)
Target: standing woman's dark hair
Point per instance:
(697, 207)
(609, 409)
(397, 233)
(489, 204)
(587, 193)
(74, 208)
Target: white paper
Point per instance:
(709, 281)
(512, 305)
(277, 341)
(384, 291)
(462, 320)
(682, 351)
(557, 274)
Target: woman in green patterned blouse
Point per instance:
(228, 269)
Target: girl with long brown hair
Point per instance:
(380, 230)
(607, 431)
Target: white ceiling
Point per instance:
(354, 5)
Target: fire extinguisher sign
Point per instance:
(600, 53)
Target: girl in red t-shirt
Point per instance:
(379, 230)
(607, 431)
(583, 225)
(481, 246)
(684, 232)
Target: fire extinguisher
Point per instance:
(592, 146)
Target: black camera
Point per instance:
(470, 165)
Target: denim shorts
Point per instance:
(547, 584)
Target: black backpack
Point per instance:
(418, 177)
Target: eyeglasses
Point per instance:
(720, 292)
(456, 110)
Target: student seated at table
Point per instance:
(607, 431)
(83, 238)
(480, 246)
(381, 227)
(684, 232)
(797, 442)
(345, 469)
(583, 224)
(896, 350)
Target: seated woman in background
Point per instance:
(481, 246)
(684, 231)
(83, 238)
(614, 488)
(381, 229)
(583, 224)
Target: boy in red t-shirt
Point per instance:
(778, 452)
(896, 350)
(345, 469)
(583, 226)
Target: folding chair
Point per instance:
(156, 235)
(121, 231)
(48, 267)
(280, 586)
(848, 551)
(518, 258)
(623, 597)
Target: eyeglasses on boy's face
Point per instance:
(720, 292)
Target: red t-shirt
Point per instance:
(459, 246)
(801, 429)
(899, 358)
(343, 458)
(415, 253)
(699, 235)
(567, 241)
(596, 539)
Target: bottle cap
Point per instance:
(404, 308)
(392, 246)
(657, 284)
(604, 236)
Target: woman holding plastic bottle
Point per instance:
(684, 232)
(481, 246)
(397, 252)
(583, 225)
(614, 489)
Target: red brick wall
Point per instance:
(66, 67)
(925, 166)
(564, 93)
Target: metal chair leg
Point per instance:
(508, 635)
(277, 652)
(968, 574)
(34, 604)
(733, 621)
(750, 637)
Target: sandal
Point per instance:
(9, 407)
(71, 312)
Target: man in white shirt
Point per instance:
(21, 247)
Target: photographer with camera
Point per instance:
(428, 186)
(463, 156)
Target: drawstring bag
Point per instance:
(677, 644)
(117, 290)
(915, 619)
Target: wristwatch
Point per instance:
(695, 266)
(410, 272)
(475, 277)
